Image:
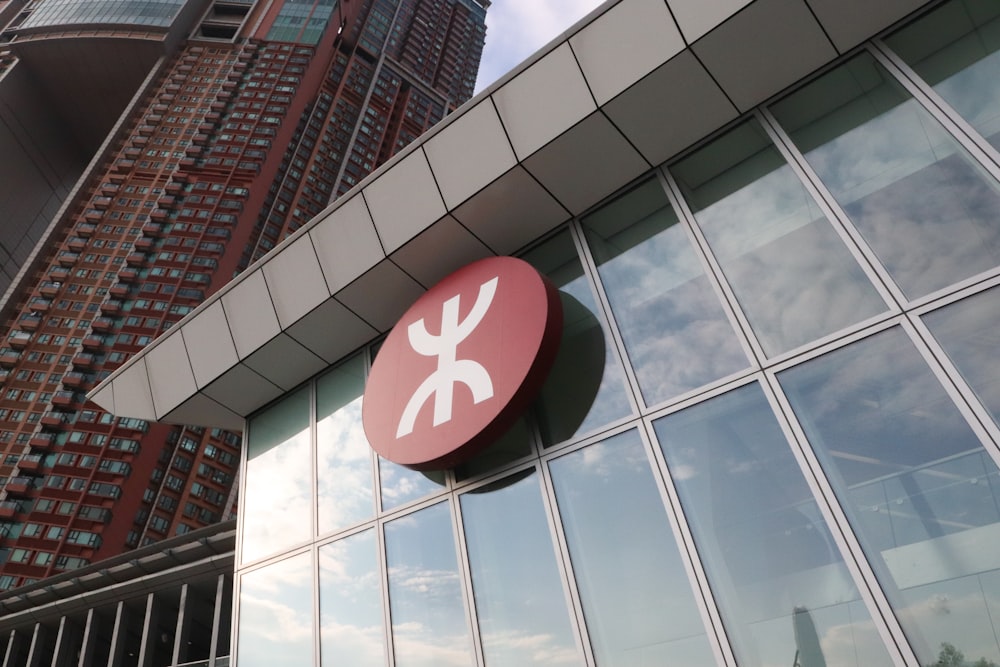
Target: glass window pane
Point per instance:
(956, 49)
(677, 336)
(344, 459)
(777, 574)
(513, 445)
(276, 614)
(401, 485)
(521, 605)
(790, 271)
(429, 626)
(278, 499)
(969, 332)
(350, 603)
(924, 206)
(919, 489)
(636, 597)
(586, 387)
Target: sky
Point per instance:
(517, 28)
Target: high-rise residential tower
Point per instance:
(151, 151)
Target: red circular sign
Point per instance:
(462, 364)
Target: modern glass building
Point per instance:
(772, 433)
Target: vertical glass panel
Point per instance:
(956, 49)
(969, 332)
(919, 489)
(784, 591)
(924, 206)
(276, 614)
(344, 459)
(350, 603)
(586, 388)
(790, 271)
(519, 598)
(401, 485)
(429, 626)
(635, 592)
(675, 330)
(277, 505)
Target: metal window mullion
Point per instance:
(314, 509)
(317, 627)
(89, 640)
(635, 399)
(35, 649)
(465, 574)
(10, 653)
(217, 602)
(855, 560)
(383, 574)
(574, 604)
(941, 110)
(234, 637)
(151, 620)
(242, 493)
(856, 244)
(182, 624)
(708, 608)
(369, 359)
(964, 397)
(117, 647)
(713, 271)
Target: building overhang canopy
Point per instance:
(628, 87)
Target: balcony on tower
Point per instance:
(9, 357)
(67, 257)
(102, 324)
(74, 379)
(41, 442)
(86, 229)
(56, 420)
(20, 486)
(19, 339)
(33, 464)
(128, 275)
(49, 288)
(83, 360)
(135, 258)
(93, 342)
(40, 304)
(10, 508)
(111, 307)
(30, 321)
(66, 399)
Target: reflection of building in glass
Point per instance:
(786, 238)
(149, 151)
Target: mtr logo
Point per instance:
(462, 364)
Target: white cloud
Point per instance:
(517, 28)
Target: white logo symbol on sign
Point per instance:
(441, 383)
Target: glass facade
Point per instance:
(159, 13)
(771, 438)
